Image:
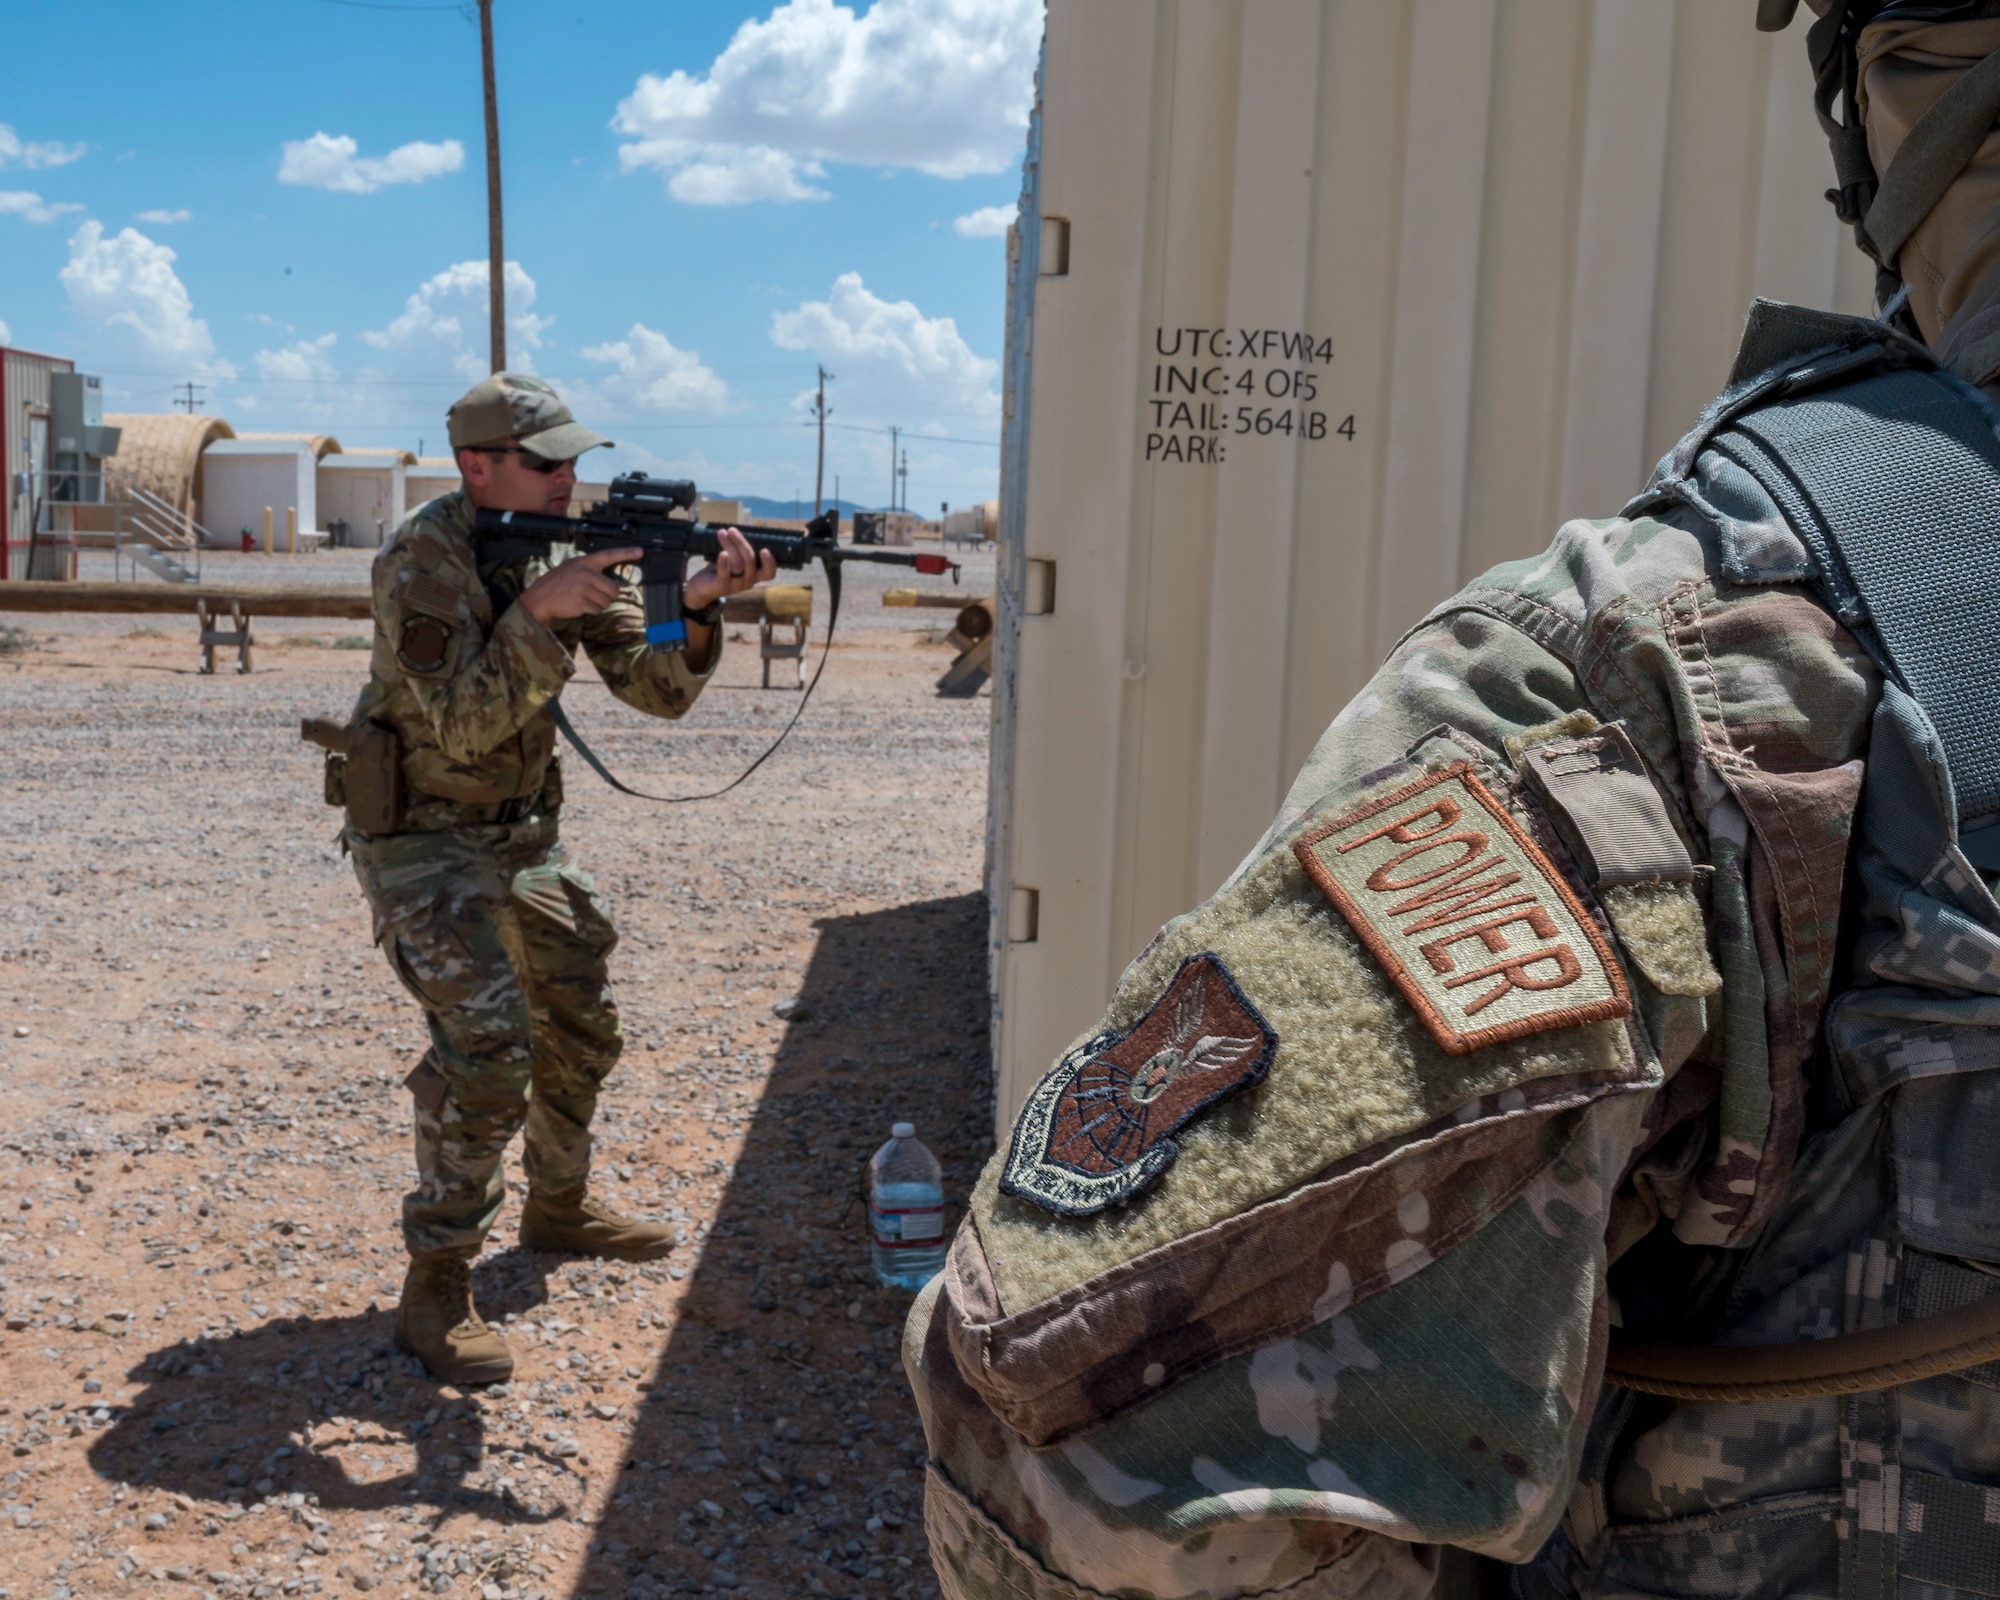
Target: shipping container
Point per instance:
(1317, 309)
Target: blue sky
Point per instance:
(284, 201)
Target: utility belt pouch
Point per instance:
(374, 779)
(331, 737)
(552, 788)
(364, 772)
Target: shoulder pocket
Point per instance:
(1308, 1089)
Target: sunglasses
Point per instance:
(532, 462)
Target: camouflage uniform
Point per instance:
(477, 905)
(1363, 1312)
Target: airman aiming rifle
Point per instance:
(655, 516)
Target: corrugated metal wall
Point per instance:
(1361, 298)
(24, 396)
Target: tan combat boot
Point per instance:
(438, 1324)
(587, 1227)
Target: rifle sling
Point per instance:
(1848, 1363)
(501, 598)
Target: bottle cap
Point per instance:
(903, 1130)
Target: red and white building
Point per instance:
(24, 448)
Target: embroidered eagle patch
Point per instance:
(1466, 914)
(1098, 1129)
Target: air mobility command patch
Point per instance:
(1471, 921)
(1097, 1129)
(423, 647)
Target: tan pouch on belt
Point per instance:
(364, 772)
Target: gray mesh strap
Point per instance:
(1929, 160)
(1895, 484)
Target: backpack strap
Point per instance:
(1893, 483)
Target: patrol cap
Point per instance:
(512, 408)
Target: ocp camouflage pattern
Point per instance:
(1804, 1168)
(489, 923)
(476, 728)
(503, 941)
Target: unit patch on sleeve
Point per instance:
(422, 648)
(1097, 1129)
(1470, 920)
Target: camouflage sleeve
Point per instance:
(1294, 1267)
(662, 685)
(474, 694)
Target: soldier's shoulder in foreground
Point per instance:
(1296, 1262)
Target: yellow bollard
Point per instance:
(267, 531)
(291, 530)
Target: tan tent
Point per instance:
(323, 444)
(162, 454)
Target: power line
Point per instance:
(389, 5)
(927, 438)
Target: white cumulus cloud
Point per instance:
(988, 222)
(735, 175)
(164, 218)
(328, 161)
(127, 282)
(32, 207)
(14, 152)
(6, 334)
(654, 375)
(449, 313)
(871, 336)
(302, 361)
(943, 86)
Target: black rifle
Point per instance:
(640, 512)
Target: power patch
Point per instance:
(1097, 1129)
(1469, 919)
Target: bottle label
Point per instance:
(917, 1226)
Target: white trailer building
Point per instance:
(362, 494)
(427, 477)
(241, 477)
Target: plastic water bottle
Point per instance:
(906, 1211)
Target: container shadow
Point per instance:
(778, 1452)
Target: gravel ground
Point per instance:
(204, 1140)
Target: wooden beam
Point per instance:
(255, 599)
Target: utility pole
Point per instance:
(819, 411)
(903, 480)
(496, 254)
(894, 433)
(190, 401)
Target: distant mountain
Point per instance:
(757, 505)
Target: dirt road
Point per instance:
(203, 1144)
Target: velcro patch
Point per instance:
(1097, 1129)
(1467, 916)
(425, 593)
(423, 646)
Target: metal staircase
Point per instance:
(156, 535)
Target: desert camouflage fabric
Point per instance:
(503, 941)
(468, 697)
(1363, 1314)
(485, 918)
